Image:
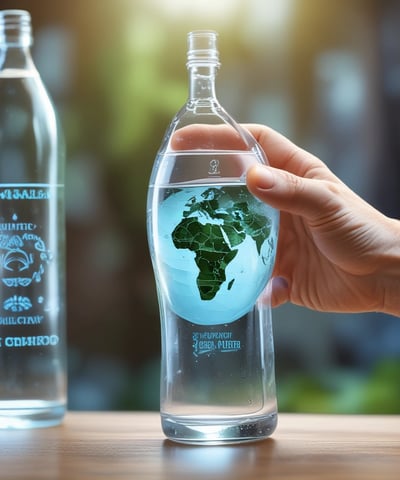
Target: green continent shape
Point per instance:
(212, 253)
(255, 225)
(213, 242)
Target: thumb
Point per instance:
(288, 192)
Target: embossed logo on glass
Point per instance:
(214, 167)
(23, 259)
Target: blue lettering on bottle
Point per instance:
(34, 341)
(24, 259)
(25, 192)
(212, 342)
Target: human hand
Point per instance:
(335, 251)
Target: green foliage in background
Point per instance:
(377, 392)
(126, 101)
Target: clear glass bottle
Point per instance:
(213, 248)
(32, 238)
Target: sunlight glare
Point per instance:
(267, 18)
(220, 10)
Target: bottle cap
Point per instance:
(202, 48)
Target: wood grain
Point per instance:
(91, 445)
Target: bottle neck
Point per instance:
(202, 63)
(15, 58)
(15, 40)
(202, 82)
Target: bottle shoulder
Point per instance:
(206, 127)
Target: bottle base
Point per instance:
(30, 414)
(208, 431)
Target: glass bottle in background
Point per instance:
(213, 248)
(32, 238)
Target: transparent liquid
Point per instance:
(213, 264)
(217, 378)
(32, 257)
(32, 323)
(218, 382)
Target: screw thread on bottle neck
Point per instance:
(15, 28)
(202, 48)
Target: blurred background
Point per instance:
(326, 74)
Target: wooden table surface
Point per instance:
(131, 446)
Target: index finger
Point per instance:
(209, 137)
(280, 152)
(285, 155)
